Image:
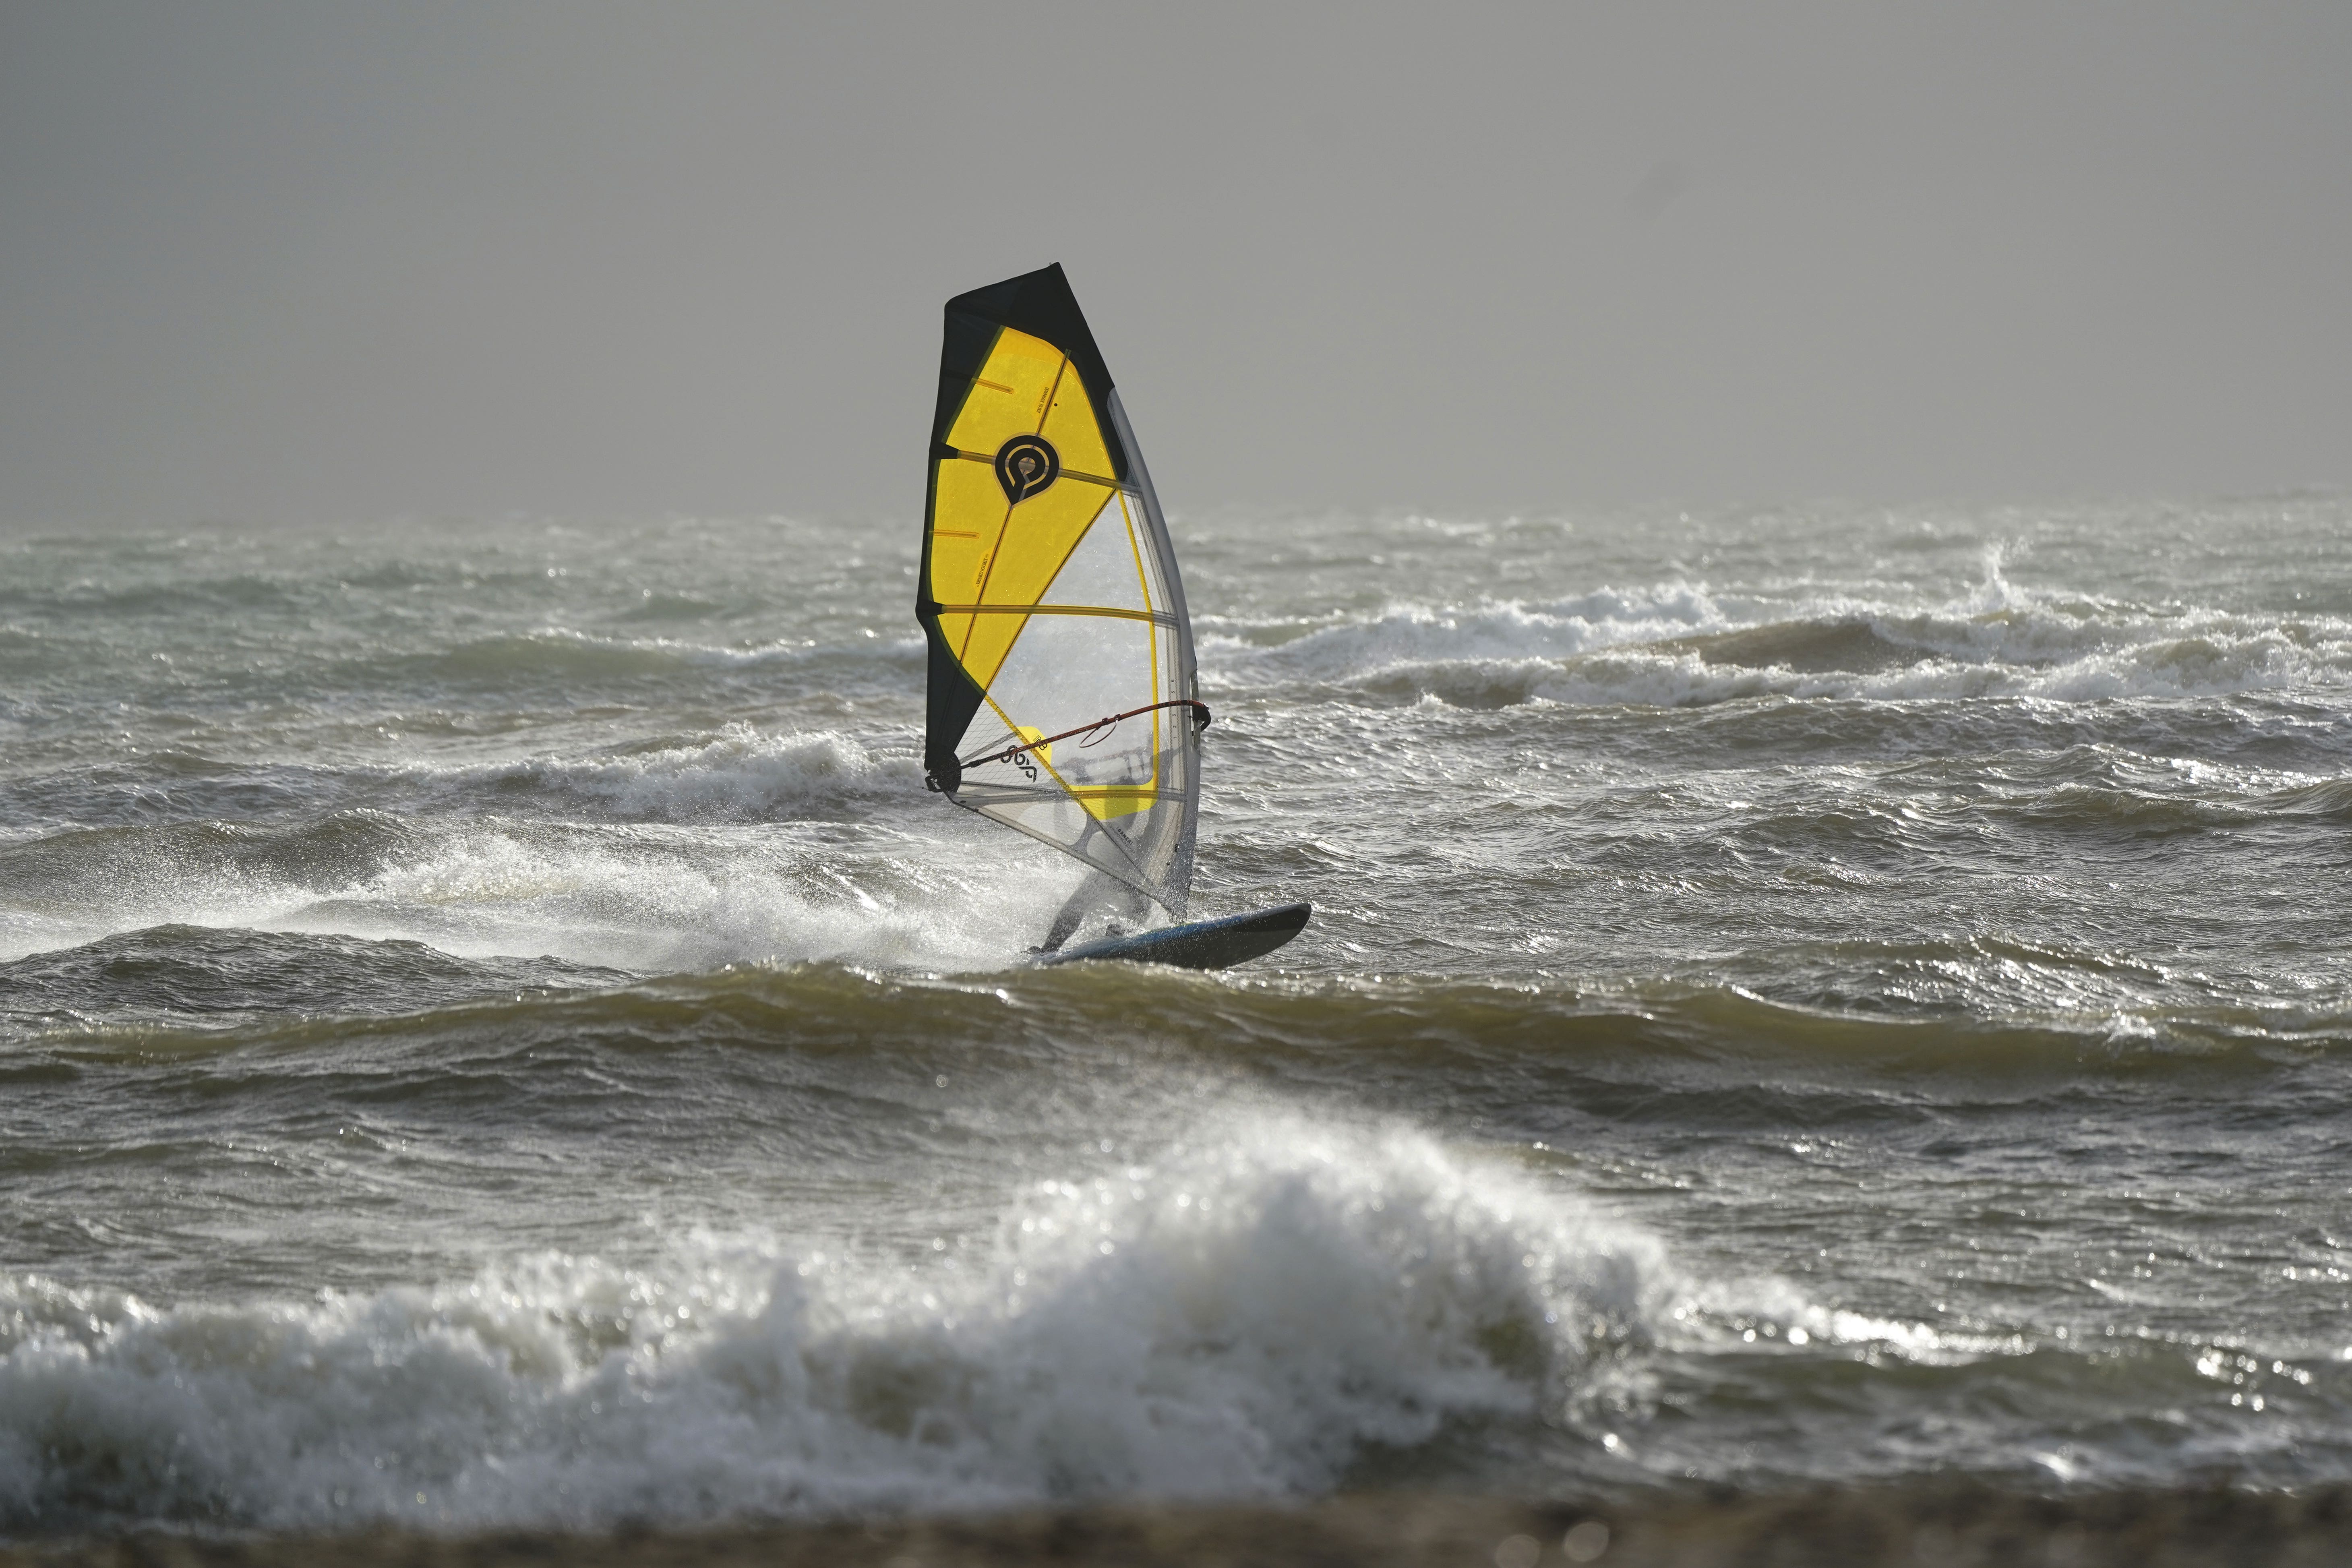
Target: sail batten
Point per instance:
(1156, 618)
(1061, 661)
(1068, 474)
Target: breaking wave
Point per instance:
(1251, 1315)
(1679, 645)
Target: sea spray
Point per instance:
(661, 897)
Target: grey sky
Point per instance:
(353, 261)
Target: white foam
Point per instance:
(636, 897)
(2218, 663)
(648, 899)
(1999, 640)
(1406, 634)
(1242, 1317)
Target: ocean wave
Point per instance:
(1843, 661)
(1992, 1008)
(185, 593)
(1684, 643)
(646, 896)
(1560, 629)
(737, 775)
(563, 658)
(181, 972)
(560, 653)
(1250, 1315)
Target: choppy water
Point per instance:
(492, 1028)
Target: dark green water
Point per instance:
(493, 1029)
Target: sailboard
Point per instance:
(1062, 698)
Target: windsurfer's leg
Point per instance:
(1098, 891)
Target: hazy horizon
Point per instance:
(279, 262)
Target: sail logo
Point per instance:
(1026, 465)
(1031, 742)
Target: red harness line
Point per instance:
(1006, 755)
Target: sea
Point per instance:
(495, 1033)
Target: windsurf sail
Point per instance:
(1062, 694)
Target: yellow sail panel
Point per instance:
(1027, 386)
(1010, 394)
(991, 545)
(1115, 800)
(967, 513)
(1037, 537)
(1069, 424)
